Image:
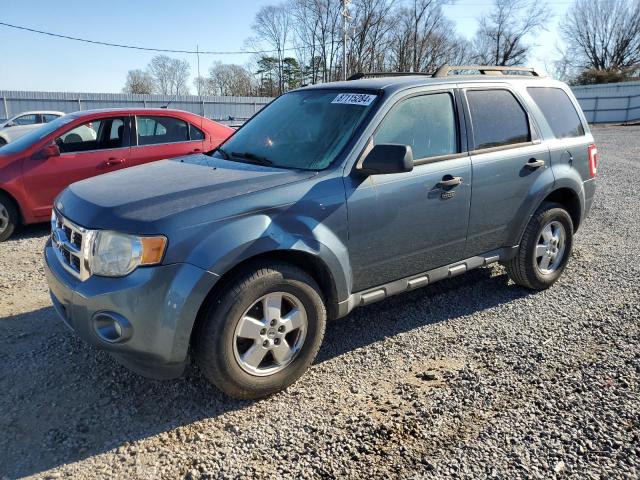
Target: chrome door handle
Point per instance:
(114, 161)
(534, 163)
(449, 181)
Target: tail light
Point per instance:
(592, 152)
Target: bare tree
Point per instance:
(602, 35)
(138, 81)
(230, 79)
(501, 38)
(170, 75)
(271, 25)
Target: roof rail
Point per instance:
(444, 70)
(360, 75)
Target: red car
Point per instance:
(39, 165)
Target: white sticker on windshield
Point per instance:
(354, 99)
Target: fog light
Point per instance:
(111, 327)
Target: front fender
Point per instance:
(239, 239)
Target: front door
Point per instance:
(407, 223)
(92, 148)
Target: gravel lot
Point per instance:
(473, 377)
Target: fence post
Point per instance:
(595, 110)
(79, 104)
(6, 110)
(626, 117)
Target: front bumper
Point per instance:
(160, 303)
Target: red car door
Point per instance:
(163, 136)
(91, 148)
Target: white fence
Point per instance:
(610, 102)
(225, 109)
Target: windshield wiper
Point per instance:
(223, 152)
(252, 157)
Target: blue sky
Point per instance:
(30, 61)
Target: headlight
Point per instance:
(112, 254)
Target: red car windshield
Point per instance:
(24, 142)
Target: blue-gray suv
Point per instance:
(332, 197)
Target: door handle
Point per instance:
(114, 161)
(534, 163)
(449, 181)
(196, 150)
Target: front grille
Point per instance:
(68, 240)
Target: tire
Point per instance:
(228, 360)
(3, 142)
(8, 216)
(538, 262)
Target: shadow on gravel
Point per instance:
(30, 231)
(63, 401)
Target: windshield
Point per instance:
(34, 136)
(303, 129)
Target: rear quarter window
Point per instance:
(558, 111)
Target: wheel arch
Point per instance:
(12, 198)
(570, 200)
(311, 264)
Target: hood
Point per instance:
(139, 199)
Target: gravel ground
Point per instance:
(470, 378)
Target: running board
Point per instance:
(413, 282)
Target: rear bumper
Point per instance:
(589, 193)
(160, 304)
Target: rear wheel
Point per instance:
(545, 248)
(263, 332)
(8, 217)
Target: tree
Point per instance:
(170, 75)
(602, 36)
(501, 37)
(138, 81)
(271, 24)
(230, 79)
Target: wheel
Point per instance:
(262, 333)
(8, 217)
(3, 142)
(545, 248)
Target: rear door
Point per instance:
(407, 223)
(91, 148)
(510, 167)
(162, 136)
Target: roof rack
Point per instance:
(444, 70)
(360, 75)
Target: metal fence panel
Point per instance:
(609, 103)
(225, 109)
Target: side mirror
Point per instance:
(9, 124)
(387, 158)
(48, 151)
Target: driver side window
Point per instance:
(102, 134)
(426, 123)
(30, 119)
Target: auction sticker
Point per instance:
(354, 99)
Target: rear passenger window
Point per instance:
(558, 110)
(498, 119)
(195, 133)
(155, 130)
(426, 123)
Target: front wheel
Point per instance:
(8, 217)
(545, 248)
(262, 333)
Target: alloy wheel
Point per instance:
(270, 334)
(551, 247)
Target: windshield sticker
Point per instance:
(354, 99)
